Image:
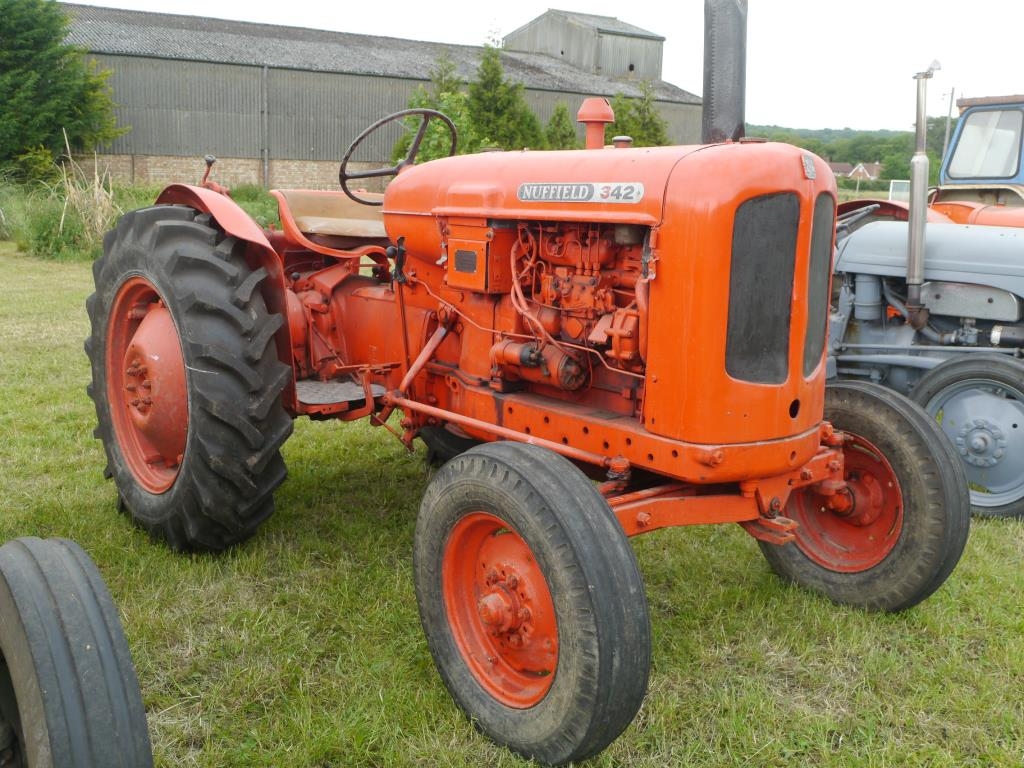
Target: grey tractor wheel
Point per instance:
(531, 601)
(186, 379)
(978, 400)
(68, 692)
(908, 516)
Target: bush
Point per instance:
(65, 220)
(36, 164)
(258, 203)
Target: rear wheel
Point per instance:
(907, 517)
(186, 379)
(68, 690)
(531, 601)
(444, 444)
(979, 402)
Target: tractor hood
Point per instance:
(960, 253)
(608, 185)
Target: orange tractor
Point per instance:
(601, 343)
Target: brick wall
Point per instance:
(160, 170)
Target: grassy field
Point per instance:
(302, 648)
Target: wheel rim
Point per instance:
(146, 385)
(500, 610)
(10, 723)
(857, 528)
(985, 421)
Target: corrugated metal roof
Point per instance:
(196, 38)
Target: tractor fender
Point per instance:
(889, 210)
(259, 253)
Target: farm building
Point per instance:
(278, 105)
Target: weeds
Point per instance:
(66, 220)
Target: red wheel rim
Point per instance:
(146, 385)
(862, 529)
(500, 610)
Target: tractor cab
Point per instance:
(981, 180)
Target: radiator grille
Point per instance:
(760, 288)
(819, 271)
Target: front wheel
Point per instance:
(68, 691)
(979, 402)
(905, 521)
(531, 601)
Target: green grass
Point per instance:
(302, 648)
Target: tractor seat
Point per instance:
(315, 212)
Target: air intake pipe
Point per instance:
(725, 70)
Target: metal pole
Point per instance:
(916, 313)
(265, 125)
(949, 120)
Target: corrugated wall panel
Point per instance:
(191, 109)
(559, 39)
(616, 53)
(316, 115)
(185, 107)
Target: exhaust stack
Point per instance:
(725, 70)
(917, 315)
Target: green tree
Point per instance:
(48, 87)
(639, 118)
(445, 95)
(499, 109)
(560, 131)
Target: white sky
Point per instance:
(810, 63)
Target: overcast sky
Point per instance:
(810, 63)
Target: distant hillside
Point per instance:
(893, 149)
(825, 135)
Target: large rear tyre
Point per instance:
(68, 691)
(908, 516)
(979, 402)
(531, 601)
(186, 379)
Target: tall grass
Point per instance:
(65, 220)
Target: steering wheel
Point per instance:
(426, 116)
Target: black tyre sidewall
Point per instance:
(76, 689)
(936, 514)
(983, 367)
(594, 582)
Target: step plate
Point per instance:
(312, 392)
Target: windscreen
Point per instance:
(989, 145)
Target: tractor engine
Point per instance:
(609, 281)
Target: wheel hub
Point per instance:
(981, 443)
(500, 609)
(147, 385)
(855, 528)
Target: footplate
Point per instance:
(350, 393)
(774, 530)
